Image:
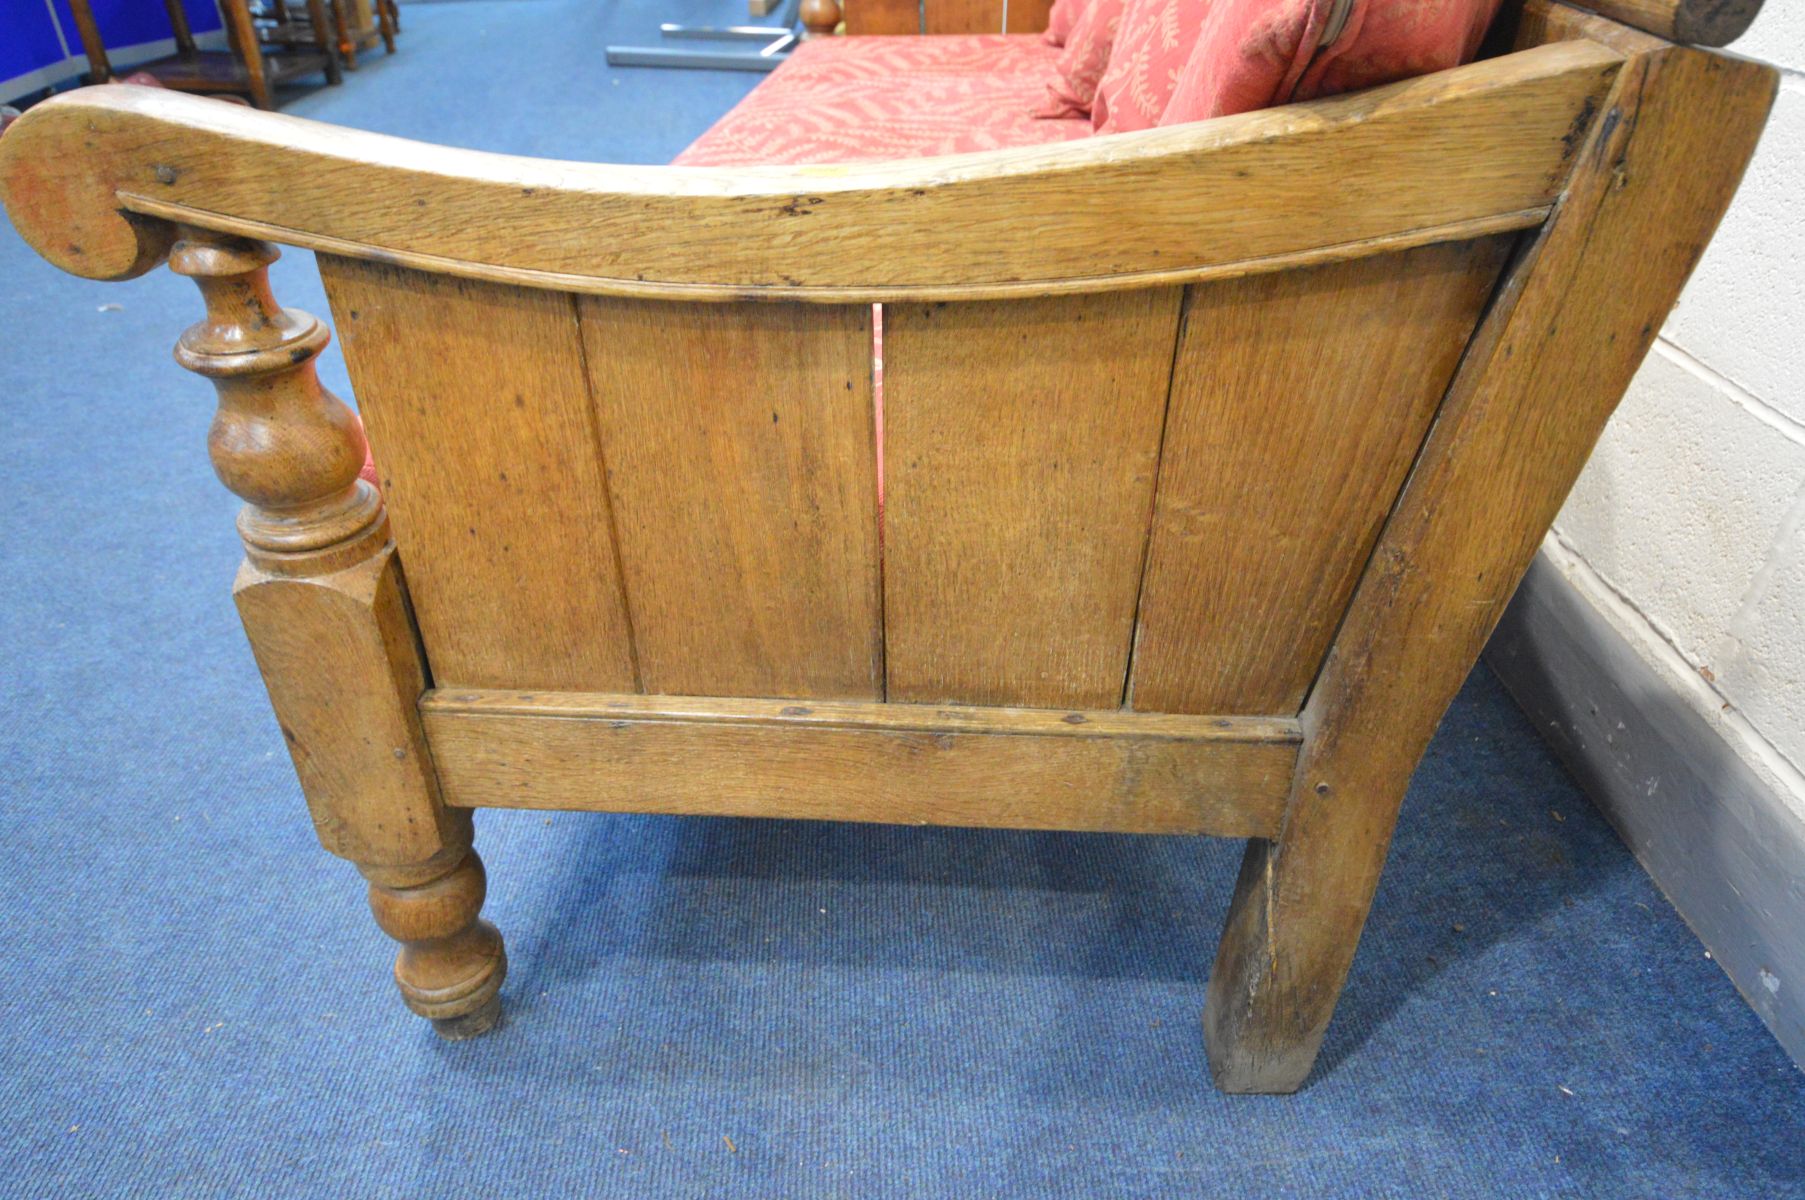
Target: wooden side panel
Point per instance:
(1021, 441)
(1298, 401)
(863, 761)
(985, 16)
(477, 410)
(742, 467)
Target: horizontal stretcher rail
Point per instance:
(915, 764)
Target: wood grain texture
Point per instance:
(853, 761)
(1693, 22)
(352, 731)
(477, 404)
(451, 962)
(1547, 367)
(742, 471)
(985, 16)
(1545, 22)
(1298, 402)
(1020, 445)
(1490, 142)
(883, 17)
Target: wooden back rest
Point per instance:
(946, 16)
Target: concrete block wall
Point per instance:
(1691, 513)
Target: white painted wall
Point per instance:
(1688, 526)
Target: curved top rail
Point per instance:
(96, 181)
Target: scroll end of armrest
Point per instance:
(60, 174)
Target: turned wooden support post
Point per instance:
(451, 962)
(325, 608)
(820, 17)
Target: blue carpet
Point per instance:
(196, 1001)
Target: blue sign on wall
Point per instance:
(133, 22)
(29, 45)
(39, 45)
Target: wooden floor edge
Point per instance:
(862, 761)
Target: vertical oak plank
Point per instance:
(477, 407)
(1021, 443)
(742, 468)
(1298, 400)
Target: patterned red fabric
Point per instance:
(1253, 54)
(851, 99)
(368, 470)
(1060, 21)
(1083, 61)
(1388, 40)
(1151, 49)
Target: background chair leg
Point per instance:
(347, 46)
(451, 963)
(387, 23)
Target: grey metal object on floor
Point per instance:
(778, 40)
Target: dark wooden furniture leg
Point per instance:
(244, 40)
(385, 21)
(178, 23)
(347, 44)
(99, 69)
(322, 36)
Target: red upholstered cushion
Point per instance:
(1252, 54)
(1150, 51)
(1248, 55)
(1060, 21)
(1388, 40)
(850, 99)
(1082, 62)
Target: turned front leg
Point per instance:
(451, 962)
(324, 605)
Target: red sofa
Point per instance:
(1123, 65)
